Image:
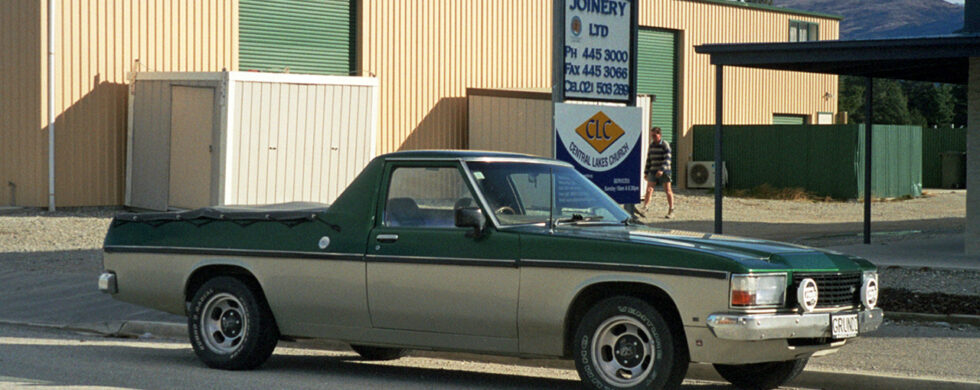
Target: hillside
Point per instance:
(866, 19)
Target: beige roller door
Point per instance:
(192, 124)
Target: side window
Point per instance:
(425, 196)
(800, 31)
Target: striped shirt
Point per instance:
(658, 158)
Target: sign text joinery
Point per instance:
(597, 50)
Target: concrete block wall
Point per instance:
(972, 236)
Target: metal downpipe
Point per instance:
(51, 110)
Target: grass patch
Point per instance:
(766, 191)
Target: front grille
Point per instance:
(833, 289)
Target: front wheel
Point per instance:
(624, 343)
(230, 326)
(761, 376)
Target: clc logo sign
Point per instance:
(599, 131)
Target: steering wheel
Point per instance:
(505, 210)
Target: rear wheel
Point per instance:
(761, 376)
(624, 343)
(378, 353)
(230, 326)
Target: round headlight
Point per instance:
(869, 293)
(806, 294)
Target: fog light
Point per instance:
(869, 290)
(807, 294)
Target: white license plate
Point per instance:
(844, 325)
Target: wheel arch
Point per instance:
(594, 293)
(204, 272)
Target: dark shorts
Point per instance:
(665, 178)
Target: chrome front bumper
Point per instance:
(107, 283)
(747, 327)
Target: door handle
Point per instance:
(387, 237)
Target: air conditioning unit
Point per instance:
(701, 174)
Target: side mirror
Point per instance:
(471, 217)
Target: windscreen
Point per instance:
(521, 193)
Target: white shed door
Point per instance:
(191, 128)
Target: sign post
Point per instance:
(594, 64)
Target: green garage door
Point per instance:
(301, 36)
(788, 119)
(656, 75)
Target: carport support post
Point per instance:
(719, 90)
(868, 129)
(971, 236)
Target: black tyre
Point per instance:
(230, 325)
(761, 376)
(624, 343)
(378, 353)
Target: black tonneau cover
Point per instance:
(273, 212)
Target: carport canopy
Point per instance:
(943, 59)
(935, 59)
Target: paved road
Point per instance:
(31, 357)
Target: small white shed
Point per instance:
(227, 138)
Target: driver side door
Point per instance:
(424, 274)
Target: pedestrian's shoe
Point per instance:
(670, 214)
(639, 211)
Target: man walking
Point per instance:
(657, 171)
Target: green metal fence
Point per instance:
(934, 143)
(827, 160)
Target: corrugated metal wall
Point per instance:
(751, 95)
(518, 122)
(427, 53)
(299, 36)
(823, 159)
(934, 142)
(297, 142)
(23, 139)
(98, 42)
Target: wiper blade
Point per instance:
(578, 218)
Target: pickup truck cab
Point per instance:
(491, 253)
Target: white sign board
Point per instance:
(603, 143)
(597, 49)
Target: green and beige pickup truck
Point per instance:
(491, 253)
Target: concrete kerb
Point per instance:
(816, 378)
(126, 329)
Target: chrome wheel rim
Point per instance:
(622, 351)
(223, 323)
